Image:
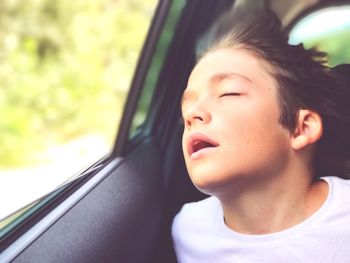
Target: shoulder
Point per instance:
(194, 227)
(195, 215)
(195, 231)
(339, 195)
(196, 210)
(338, 185)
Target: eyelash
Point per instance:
(230, 94)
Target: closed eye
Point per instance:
(230, 94)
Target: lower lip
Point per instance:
(198, 154)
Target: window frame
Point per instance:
(140, 74)
(37, 218)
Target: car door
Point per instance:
(120, 209)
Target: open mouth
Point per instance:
(199, 145)
(199, 142)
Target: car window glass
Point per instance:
(328, 30)
(65, 70)
(144, 102)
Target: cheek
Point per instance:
(252, 149)
(242, 138)
(253, 129)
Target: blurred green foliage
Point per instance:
(65, 67)
(336, 45)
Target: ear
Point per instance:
(309, 129)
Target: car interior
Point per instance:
(121, 209)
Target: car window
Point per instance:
(153, 73)
(65, 71)
(328, 30)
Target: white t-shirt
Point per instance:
(200, 234)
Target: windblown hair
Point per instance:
(303, 78)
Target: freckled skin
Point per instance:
(253, 144)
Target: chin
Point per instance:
(211, 182)
(208, 181)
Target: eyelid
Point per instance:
(230, 94)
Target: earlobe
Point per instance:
(309, 129)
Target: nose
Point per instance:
(197, 114)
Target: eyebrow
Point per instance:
(214, 79)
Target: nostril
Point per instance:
(195, 119)
(192, 120)
(198, 118)
(195, 114)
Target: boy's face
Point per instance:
(231, 114)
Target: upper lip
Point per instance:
(199, 139)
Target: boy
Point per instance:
(264, 123)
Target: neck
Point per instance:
(268, 206)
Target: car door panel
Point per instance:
(123, 209)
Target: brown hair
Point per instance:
(304, 82)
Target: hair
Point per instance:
(303, 78)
